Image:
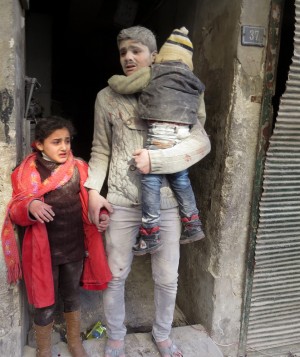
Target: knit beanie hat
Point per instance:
(178, 47)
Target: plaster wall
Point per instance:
(11, 98)
(211, 291)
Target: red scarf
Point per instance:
(37, 267)
(29, 185)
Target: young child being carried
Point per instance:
(49, 199)
(171, 100)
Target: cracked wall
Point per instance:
(11, 97)
(212, 293)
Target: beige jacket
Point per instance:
(118, 132)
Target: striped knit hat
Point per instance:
(178, 47)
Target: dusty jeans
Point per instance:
(182, 188)
(120, 237)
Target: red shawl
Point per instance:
(36, 259)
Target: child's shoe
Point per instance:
(148, 241)
(192, 230)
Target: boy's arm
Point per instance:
(201, 110)
(134, 83)
(101, 147)
(185, 154)
(99, 161)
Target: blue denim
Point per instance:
(182, 188)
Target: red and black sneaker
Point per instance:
(148, 241)
(191, 229)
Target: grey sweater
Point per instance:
(118, 132)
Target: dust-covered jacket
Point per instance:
(118, 132)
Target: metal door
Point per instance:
(271, 324)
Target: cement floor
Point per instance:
(193, 341)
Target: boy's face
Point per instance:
(56, 146)
(134, 55)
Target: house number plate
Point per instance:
(253, 36)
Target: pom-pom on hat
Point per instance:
(178, 47)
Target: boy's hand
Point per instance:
(142, 160)
(41, 211)
(96, 202)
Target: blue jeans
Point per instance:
(181, 186)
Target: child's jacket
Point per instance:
(36, 258)
(169, 92)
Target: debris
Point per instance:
(97, 331)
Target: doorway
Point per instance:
(71, 50)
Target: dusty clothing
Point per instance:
(118, 131)
(120, 237)
(36, 255)
(66, 279)
(66, 236)
(169, 92)
(169, 102)
(172, 94)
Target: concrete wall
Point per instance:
(212, 272)
(11, 105)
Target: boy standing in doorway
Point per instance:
(118, 136)
(169, 94)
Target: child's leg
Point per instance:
(69, 280)
(148, 239)
(192, 227)
(69, 285)
(43, 322)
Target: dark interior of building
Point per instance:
(84, 52)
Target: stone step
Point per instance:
(192, 340)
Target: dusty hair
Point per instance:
(138, 34)
(46, 126)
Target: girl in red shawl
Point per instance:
(50, 200)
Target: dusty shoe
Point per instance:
(148, 241)
(192, 230)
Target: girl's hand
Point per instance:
(103, 222)
(41, 211)
(96, 202)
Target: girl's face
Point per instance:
(56, 146)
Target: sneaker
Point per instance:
(192, 230)
(148, 241)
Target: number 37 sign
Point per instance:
(253, 36)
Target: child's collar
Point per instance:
(45, 157)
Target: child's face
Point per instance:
(56, 146)
(134, 55)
